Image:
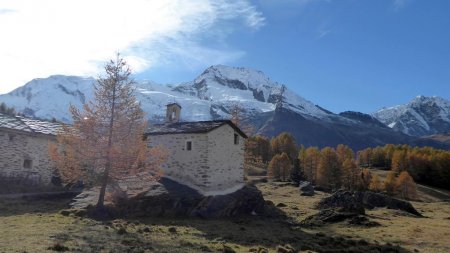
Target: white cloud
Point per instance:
(44, 37)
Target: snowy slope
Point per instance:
(421, 116)
(249, 88)
(50, 97)
(209, 96)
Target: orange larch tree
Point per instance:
(406, 186)
(106, 141)
(280, 167)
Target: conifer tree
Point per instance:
(375, 184)
(389, 183)
(329, 169)
(105, 142)
(406, 186)
(280, 167)
(297, 173)
(309, 160)
(366, 178)
(344, 152)
(350, 174)
(284, 143)
(399, 161)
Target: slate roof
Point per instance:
(190, 127)
(28, 125)
(174, 104)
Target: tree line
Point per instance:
(340, 167)
(7, 110)
(426, 165)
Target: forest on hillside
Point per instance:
(341, 167)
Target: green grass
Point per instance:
(39, 226)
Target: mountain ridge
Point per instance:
(271, 106)
(419, 117)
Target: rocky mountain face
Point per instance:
(420, 117)
(267, 105)
(210, 96)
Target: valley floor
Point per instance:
(428, 234)
(39, 226)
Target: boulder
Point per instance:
(330, 215)
(171, 199)
(371, 200)
(343, 205)
(361, 220)
(343, 201)
(306, 188)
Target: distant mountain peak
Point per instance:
(268, 105)
(210, 96)
(423, 115)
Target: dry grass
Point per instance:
(38, 226)
(429, 234)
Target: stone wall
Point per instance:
(184, 166)
(225, 160)
(214, 166)
(15, 148)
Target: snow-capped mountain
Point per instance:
(267, 105)
(421, 116)
(50, 97)
(209, 96)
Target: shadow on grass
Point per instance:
(19, 206)
(269, 233)
(248, 231)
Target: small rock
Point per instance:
(58, 247)
(65, 212)
(262, 250)
(227, 249)
(306, 188)
(121, 231)
(281, 205)
(363, 221)
(284, 249)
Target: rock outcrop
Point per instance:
(306, 188)
(371, 200)
(171, 199)
(346, 205)
(343, 201)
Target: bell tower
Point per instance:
(173, 113)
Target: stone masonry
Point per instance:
(25, 156)
(213, 166)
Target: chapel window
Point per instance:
(27, 163)
(189, 145)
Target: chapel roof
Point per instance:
(28, 125)
(190, 127)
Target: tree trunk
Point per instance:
(101, 197)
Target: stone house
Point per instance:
(207, 156)
(24, 154)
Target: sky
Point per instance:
(358, 55)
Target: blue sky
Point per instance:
(340, 54)
(347, 54)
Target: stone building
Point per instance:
(207, 156)
(24, 154)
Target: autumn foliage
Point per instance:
(105, 142)
(405, 186)
(425, 165)
(280, 167)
